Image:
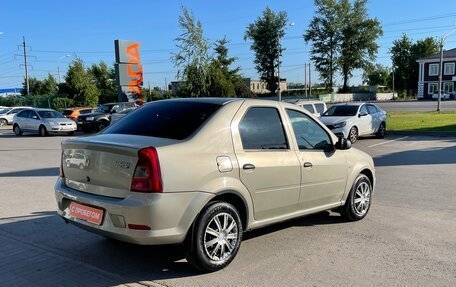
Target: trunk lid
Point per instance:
(104, 164)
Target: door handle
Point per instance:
(248, 166)
(308, 164)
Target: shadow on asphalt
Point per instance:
(50, 171)
(133, 263)
(434, 155)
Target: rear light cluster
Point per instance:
(147, 176)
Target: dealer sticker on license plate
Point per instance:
(87, 213)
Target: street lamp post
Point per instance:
(279, 92)
(58, 65)
(441, 69)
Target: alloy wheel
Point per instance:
(362, 198)
(220, 237)
(3, 122)
(353, 134)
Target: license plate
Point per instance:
(87, 213)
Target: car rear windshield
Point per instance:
(165, 119)
(67, 112)
(341, 111)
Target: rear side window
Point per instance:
(320, 108)
(85, 112)
(24, 114)
(261, 128)
(372, 109)
(165, 119)
(309, 108)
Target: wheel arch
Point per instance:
(367, 172)
(236, 199)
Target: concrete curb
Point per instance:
(423, 133)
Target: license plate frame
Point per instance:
(87, 213)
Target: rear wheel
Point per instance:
(216, 237)
(102, 125)
(3, 122)
(359, 200)
(17, 130)
(43, 131)
(353, 134)
(381, 131)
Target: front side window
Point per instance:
(449, 69)
(433, 69)
(262, 129)
(309, 135)
(363, 110)
(371, 109)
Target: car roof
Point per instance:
(80, 108)
(219, 101)
(350, 104)
(41, 110)
(308, 102)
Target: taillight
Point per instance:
(147, 176)
(61, 173)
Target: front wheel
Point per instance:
(353, 134)
(359, 200)
(43, 131)
(3, 122)
(102, 125)
(216, 237)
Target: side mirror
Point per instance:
(362, 114)
(343, 144)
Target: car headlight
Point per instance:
(90, 118)
(340, 125)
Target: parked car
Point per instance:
(73, 113)
(99, 119)
(317, 108)
(6, 117)
(79, 160)
(117, 116)
(43, 122)
(351, 120)
(444, 97)
(203, 171)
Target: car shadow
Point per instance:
(133, 263)
(434, 155)
(50, 171)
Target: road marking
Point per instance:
(390, 141)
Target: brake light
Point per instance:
(147, 176)
(61, 173)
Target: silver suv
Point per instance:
(203, 171)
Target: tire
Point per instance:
(3, 122)
(102, 125)
(362, 192)
(381, 131)
(43, 131)
(17, 130)
(208, 249)
(353, 134)
(81, 166)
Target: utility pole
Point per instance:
(279, 94)
(305, 79)
(442, 43)
(27, 84)
(310, 83)
(393, 82)
(150, 93)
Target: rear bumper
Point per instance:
(169, 215)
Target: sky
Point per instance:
(58, 31)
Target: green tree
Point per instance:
(48, 86)
(266, 32)
(81, 85)
(358, 38)
(192, 59)
(421, 48)
(401, 54)
(324, 34)
(221, 51)
(377, 75)
(105, 81)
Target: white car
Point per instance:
(351, 120)
(317, 108)
(444, 97)
(6, 115)
(43, 122)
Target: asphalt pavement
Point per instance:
(407, 239)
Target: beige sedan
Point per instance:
(203, 171)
